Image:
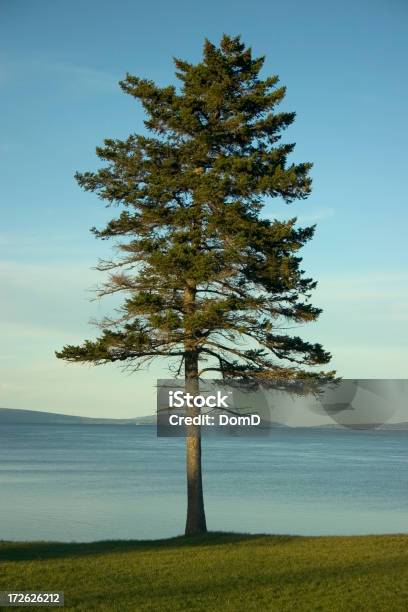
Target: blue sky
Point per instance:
(345, 68)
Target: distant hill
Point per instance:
(34, 417)
(402, 425)
(363, 426)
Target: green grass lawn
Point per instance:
(217, 572)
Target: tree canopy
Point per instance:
(201, 271)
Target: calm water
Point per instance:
(88, 482)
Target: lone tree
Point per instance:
(208, 282)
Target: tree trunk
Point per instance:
(195, 523)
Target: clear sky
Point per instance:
(345, 66)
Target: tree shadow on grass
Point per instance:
(31, 551)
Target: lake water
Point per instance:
(90, 482)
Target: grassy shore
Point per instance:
(217, 572)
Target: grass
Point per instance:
(217, 572)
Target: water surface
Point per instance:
(89, 482)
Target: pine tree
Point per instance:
(207, 282)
